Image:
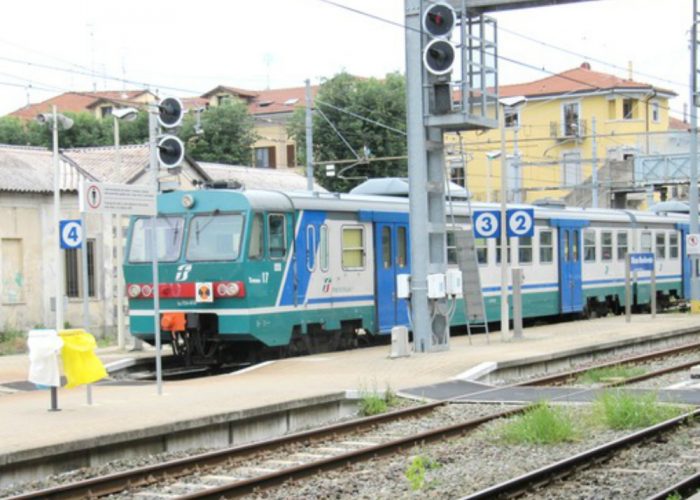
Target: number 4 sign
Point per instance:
(71, 234)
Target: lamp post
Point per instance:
(126, 114)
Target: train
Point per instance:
(247, 272)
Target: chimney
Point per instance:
(586, 65)
(630, 73)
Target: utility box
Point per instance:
(399, 342)
(403, 286)
(453, 281)
(436, 286)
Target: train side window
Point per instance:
(575, 247)
(498, 251)
(546, 247)
(386, 247)
(310, 247)
(402, 250)
(451, 248)
(565, 245)
(323, 248)
(646, 242)
(673, 246)
(622, 245)
(606, 246)
(353, 244)
(482, 251)
(589, 245)
(525, 250)
(661, 245)
(256, 245)
(276, 236)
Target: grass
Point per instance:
(621, 410)
(12, 342)
(415, 473)
(608, 373)
(540, 424)
(374, 403)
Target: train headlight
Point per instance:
(188, 201)
(133, 291)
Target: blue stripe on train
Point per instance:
(298, 269)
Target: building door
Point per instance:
(686, 268)
(391, 250)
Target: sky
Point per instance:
(48, 47)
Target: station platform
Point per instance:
(26, 425)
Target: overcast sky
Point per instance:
(186, 49)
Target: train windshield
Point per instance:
(168, 233)
(215, 237)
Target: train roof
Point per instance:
(304, 200)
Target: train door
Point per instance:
(570, 281)
(391, 258)
(685, 262)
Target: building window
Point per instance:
(571, 119)
(612, 109)
(571, 169)
(673, 246)
(291, 156)
(13, 279)
(265, 157)
(589, 245)
(276, 236)
(606, 246)
(525, 250)
(74, 270)
(629, 109)
(546, 247)
(660, 245)
(353, 248)
(655, 112)
(106, 111)
(222, 99)
(621, 245)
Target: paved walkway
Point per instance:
(26, 424)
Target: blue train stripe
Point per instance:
(298, 271)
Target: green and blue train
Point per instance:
(242, 272)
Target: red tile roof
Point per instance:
(676, 124)
(578, 80)
(76, 102)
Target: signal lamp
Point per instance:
(439, 56)
(439, 20)
(170, 112)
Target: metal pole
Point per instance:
(153, 138)
(653, 290)
(418, 180)
(517, 178)
(121, 340)
(693, 195)
(86, 288)
(628, 289)
(594, 172)
(488, 181)
(58, 254)
(517, 303)
(504, 233)
(309, 140)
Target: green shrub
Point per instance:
(415, 473)
(372, 404)
(598, 375)
(12, 342)
(540, 424)
(623, 410)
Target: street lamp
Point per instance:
(129, 115)
(506, 103)
(54, 120)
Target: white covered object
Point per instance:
(44, 347)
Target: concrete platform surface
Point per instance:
(26, 423)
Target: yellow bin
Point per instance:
(80, 363)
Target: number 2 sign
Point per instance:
(521, 222)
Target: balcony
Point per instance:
(569, 130)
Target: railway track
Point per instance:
(229, 472)
(538, 481)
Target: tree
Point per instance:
(227, 134)
(12, 131)
(345, 100)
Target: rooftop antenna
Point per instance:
(268, 61)
(91, 30)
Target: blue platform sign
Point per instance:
(642, 261)
(487, 223)
(521, 222)
(71, 232)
